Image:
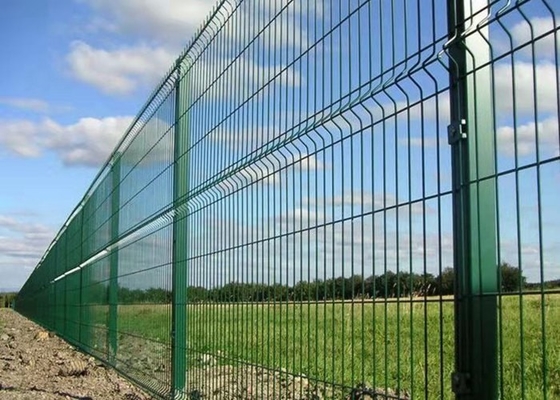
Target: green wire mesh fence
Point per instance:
(329, 200)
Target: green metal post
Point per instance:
(471, 136)
(83, 338)
(114, 269)
(180, 232)
(56, 320)
(63, 259)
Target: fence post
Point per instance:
(62, 259)
(471, 136)
(180, 232)
(114, 268)
(83, 320)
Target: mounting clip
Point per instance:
(461, 383)
(457, 131)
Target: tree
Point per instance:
(6, 299)
(446, 281)
(385, 285)
(512, 278)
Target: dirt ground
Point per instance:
(36, 365)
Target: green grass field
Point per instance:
(405, 345)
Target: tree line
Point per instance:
(6, 299)
(387, 285)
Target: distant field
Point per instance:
(406, 345)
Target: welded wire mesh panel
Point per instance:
(319, 206)
(104, 284)
(144, 179)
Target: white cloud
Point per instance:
(120, 71)
(19, 137)
(299, 240)
(87, 142)
(305, 162)
(22, 243)
(29, 246)
(248, 73)
(427, 142)
(268, 171)
(166, 21)
(432, 109)
(175, 21)
(525, 32)
(363, 202)
(158, 30)
(526, 138)
(17, 225)
(529, 83)
(162, 30)
(35, 105)
(278, 16)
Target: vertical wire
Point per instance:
(277, 231)
(253, 273)
(500, 303)
(332, 191)
(439, 220)
(322, 200)
(556, 42)
(384, 208)
(539, 215)
(518, 222)
(343, 216)
(362, 219)
(373, 214)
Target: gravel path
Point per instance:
(36, 365)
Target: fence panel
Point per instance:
(510, 82)
(315, 184)
(326, 200)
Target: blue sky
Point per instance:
(73, 75)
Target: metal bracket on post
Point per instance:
(461, 383)
(457, 131)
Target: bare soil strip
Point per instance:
(36, 365)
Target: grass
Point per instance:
(400, 345)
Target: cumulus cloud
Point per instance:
(269, 171)
(526, 137)
(530, 84)
(358, 202)
(120, 71)
(35, 105)
(87, 142)
(175, 21)
(14, 224)
(19, 137)
(299, 240)
(158, 32)
(171, 21)
(526, 32)
(283, 16)
(22, 243)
